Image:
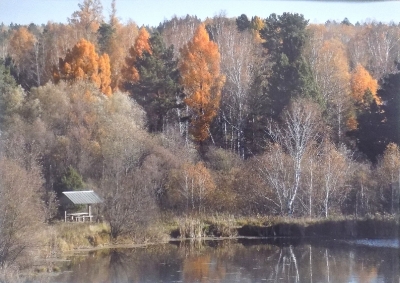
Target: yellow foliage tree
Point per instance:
(361, 81)
(21, 43)
(256, 25)
(142, 44)
(83, 63)
(21, 49)
(200, 76)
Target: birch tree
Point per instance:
(334, 169)
(389, 171)
(292, 138)
(240, 58)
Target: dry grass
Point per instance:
(266, 221)
(70, 236)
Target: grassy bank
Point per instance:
(67, 237)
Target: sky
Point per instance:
(152, 12)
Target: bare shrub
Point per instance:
(129, 205)
(21, 214)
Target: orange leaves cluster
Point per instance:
(104, 74)
(83, 63)
(200, 76)
(142, 44)
(361, 81)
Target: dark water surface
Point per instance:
(241, 261)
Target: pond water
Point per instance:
(241, 260)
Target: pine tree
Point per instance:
(157, 88)
(285, 37)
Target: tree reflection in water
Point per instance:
(237, 261)
(119, 267)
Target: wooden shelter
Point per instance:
(81, 197)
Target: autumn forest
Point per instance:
(240, 116)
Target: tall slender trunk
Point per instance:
(327, 266)
(310, 190)
(311, 272)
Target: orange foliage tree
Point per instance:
(361, 81)
(200, 76)
(129, 71)
(83, 63)
(363, 91)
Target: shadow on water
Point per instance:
(330, 229)
(240, 260)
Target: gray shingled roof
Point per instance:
(83, 197)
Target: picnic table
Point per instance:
(79, 216)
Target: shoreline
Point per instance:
(343, 229)
(270, 240)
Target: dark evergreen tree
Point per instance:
(104, 35)
(369, 133)
(7, 81)
(7, 93)
(285, 37)
(158, 88)
(379, 125)
(346, 22)
(254, 132)
(242, 22)
(389, 93)
(71, 181)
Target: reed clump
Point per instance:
(198, 226)
(191, 228)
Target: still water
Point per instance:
(241, 260)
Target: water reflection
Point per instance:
(238, 261)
